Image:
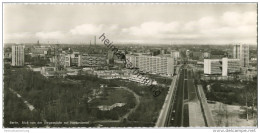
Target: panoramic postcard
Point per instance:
(129, 65)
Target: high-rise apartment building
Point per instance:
(17, 55)
(241, 52)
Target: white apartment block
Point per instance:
(17, 55)
(175, 54)
(152, 64)
(241, 52)
(222, 66)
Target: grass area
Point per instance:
(233, 93)
(148, 103)
(58, 99)
(160, 79)
(231, 115)
(231, 97)
(114, 95)
(16, 111)
(64, 100)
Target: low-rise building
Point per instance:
(40, 51)
(74, 59)
(175, 54)
(48, 71)
(206, 55)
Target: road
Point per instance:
(137, 97)
(176, 112)
(185, 106)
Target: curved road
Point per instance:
(137, 97)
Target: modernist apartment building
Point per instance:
(132, 60)
(92, 60)
(233, 65)
(222, 66)
(152, 64)
(241, 52)
(17, 55)
(77, 59)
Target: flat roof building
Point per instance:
(92, 60)
(206, 55)
(175, 54)
(241, 52)
(151, 64)
(17, 55)
(40, 50)
(48, 71)
(222, 66)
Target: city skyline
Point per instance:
(130, 65)
(131, 23)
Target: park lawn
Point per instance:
(112, 96)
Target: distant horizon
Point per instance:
(99, 44)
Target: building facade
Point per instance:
(206, 55)
(17, 55)
(74, 59)
(92, 60)
(65, 60)
(48, 71)
(134, 59)
(241, 52)
(152, 64)
(175, 54)
(222, 66)
(40, 51)
(233, 66)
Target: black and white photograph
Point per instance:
(130, 65)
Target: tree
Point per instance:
(252, 93)
(244, 95)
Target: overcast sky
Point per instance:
(135, 23)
